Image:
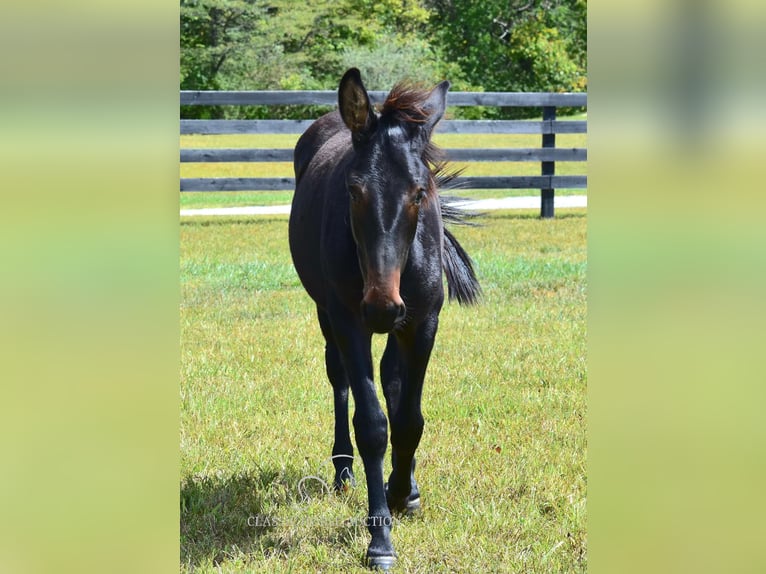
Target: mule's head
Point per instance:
(389, 181)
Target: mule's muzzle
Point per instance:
(382, 307)
(383, 316)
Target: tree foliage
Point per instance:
(493, 45)
(515, 45)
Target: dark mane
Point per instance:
(404, 105)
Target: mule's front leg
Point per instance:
(371, 431)
(403, 371)
(370, 427)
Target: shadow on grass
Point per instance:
(222, 516)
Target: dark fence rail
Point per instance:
(330, 98)
(222, 155)
(448, 127)
(547, 154)
(468, 182)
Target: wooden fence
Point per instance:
(547, 154)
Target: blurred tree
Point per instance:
(502, 45)
(222, 43)
(515, 45)
(217, 36)
(283, 44)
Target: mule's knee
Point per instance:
(371, 430)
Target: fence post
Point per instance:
(548, 167)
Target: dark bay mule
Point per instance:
(368, 241)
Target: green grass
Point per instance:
(284, 169)
(501, 465)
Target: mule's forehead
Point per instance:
(397, 149)
(391, 157)
(397, 136)
(396, 133)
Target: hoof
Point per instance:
(408, 506)
(344, 481)
(384, 563)
(343, 487)
(413, 505)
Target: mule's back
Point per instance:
(312, 140)
(317, 153)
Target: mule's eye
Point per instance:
(420, 193)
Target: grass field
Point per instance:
(501, 465)
(285, 169)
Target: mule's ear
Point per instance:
(355, 107)
(435, 105)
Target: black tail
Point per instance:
(462, 283)
(458, 267)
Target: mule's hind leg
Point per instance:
(342, 450)
(403, 370)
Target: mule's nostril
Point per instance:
(401, 312)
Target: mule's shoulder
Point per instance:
(313, 139)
